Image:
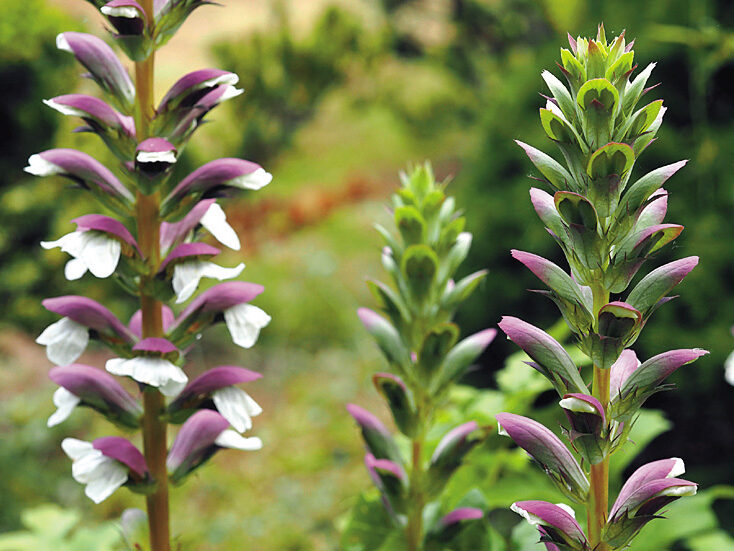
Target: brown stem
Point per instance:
(147, 207)
(414, 530)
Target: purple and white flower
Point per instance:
(104, 465)
(189, 268)
(152, 367)
(202, 435)
(219, 385)
(66, 339)
(95, 246)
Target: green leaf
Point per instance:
(437, 343)
(411, 225)
(368, 527)
(556, 175)
(419, 266)
(561, 95)
(598, 94)
(633, 90)
(611, 159)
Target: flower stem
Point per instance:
(414, 530)
(598, 502)
(147, 213)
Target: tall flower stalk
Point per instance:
(420, 343)
(607, 228)
(151, 247)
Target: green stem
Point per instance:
(598, 502)
(414, 530)
(147, 208)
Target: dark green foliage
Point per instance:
(31, 69)
(285, 78)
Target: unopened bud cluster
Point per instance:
(421, 345)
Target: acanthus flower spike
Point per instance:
(105, 465)
(200, 437)
(103, 65)
(219, 385)
(548, 450)
(83, 385)
(152, 366)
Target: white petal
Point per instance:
(76, 448)
(187, 274)
(236, 406)
(254, 180)
(231, 439)
(38, 166)
(215, 221)
(109, 476)
(244, 322)
(580, 406)
(65, 340)
(729, 366)
(122, 11)
(678, 491)
(567, 508)
(75, 269)
(229, 93)
(62, 43)
(162, 374)
(65, 109)
(678, 468)
(532, 519)
(227, 78)
(100, 253)
(70, 243)
(65, 401)
(156, 156)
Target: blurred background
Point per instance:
(339, 96)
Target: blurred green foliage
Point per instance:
(31, 69)
(51, 527)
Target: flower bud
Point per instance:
(649, 489)
(588, 426)
(91, 387)
(102, 63)
(556, 523)
(377, 438)
(450, 452)
(548, 450)
(400, 401)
